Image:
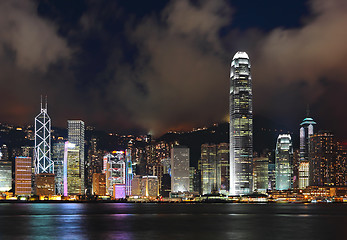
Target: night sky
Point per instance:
(151, 66)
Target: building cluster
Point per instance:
(75, 167)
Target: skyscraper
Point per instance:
(261, 173)
(306, 130)
(58, 159)
(241, 125)
(323, 159)
(284, 162)
(210, 169)
(76, 136)
(115, 169)
(179, 169)
(23, 176)
(5, 171)
(223, 160)
(43, 162)
(72, 175)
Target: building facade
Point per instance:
(58, 159)
(241, 125)
(76, 136)
(261, 174)
(284, 162)
(115, 170)
(180, 169)
(323, 156)
(42, 153)
(99, 184)
(223, 160)
(5, 174)
(23, 176)
(306, 130)
(210, 169)
(72, 171)
(45, 184)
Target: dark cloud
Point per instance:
(168, 67)
(312, 57)
(33, 40)
(179, 76)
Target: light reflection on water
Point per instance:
(171, 221)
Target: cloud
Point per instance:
(33, 61)
(33, 40)
(178, 77)
(168, 69)
(305, 60)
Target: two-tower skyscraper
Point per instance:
(241, 125)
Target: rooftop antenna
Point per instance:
(41, 101)
(46, 102)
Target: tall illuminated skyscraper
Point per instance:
(306, 130)
(58, 159)
(76, 136)
(179, 169)
(43, 162)
(241, 125)
(72, 180)
(284, 162)
(5, 171)
(115, 169)
(210, 169)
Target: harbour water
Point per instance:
(172, 221)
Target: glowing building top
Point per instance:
(240, 55)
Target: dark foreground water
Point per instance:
(172, 221)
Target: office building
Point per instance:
(5, 171)
(145, 186)
(284, 162)
(241, 125)
(58, 159)
(323, 159)
(150, 186)
(341, 165)
(42, 152)
(210, 169)
(72, 177)
(99, 184)
(306, 130)
(261, 174)
(115, 170)
(76, 136)
(223, 160)
(179, 169)
(45, 184)
(23, 176)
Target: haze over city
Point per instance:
(155, 66)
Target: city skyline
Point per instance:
(97, 56)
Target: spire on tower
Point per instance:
(46, 103)
(41, 101)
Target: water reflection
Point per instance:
(171, 221)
